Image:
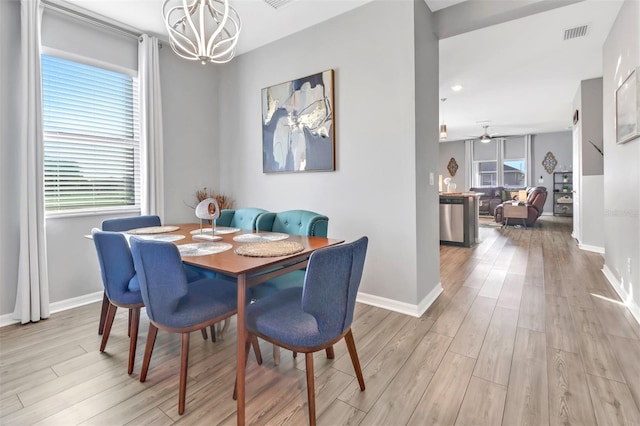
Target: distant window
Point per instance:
(485, 173)
(91, 137)
(514, 172)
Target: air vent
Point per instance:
(276, 4)
(576, 32)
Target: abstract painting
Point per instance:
(628, 109)
(298, 125)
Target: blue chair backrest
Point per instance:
(116, 265)
(331, 285)
(241, 218)
(162, 279)
(294, 222)
(126, 223)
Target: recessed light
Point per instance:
(456, 88)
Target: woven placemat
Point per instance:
(153, 230)
(270, 249)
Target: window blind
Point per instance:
(91, 137)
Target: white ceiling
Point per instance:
(519, 75)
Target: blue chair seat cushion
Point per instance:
(206, 299)
(128, 297)
(280, 316)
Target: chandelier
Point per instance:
(202, 30)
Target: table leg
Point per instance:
(241, 355)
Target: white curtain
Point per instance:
(529, 179)
(32, 297)
(151, 116)
(468, 154)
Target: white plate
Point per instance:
(202, 249)
(260, 237)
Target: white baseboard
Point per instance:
(624, 296)
(594, 249)
(75, 302)
(401, 307)
(58, 306)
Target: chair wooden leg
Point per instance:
(311, 392)
(103, 313)
(256, 349)
(225, 327)
(111, 313)
(330, 353)
(276, 355)
(129, 325)
(133, 339)
(212, 327)
(204, 333)
(295, 354)
(151, 340)
(184, 363)
(351, 345)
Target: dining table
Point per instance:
(207, 247)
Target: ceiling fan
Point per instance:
(486, 137)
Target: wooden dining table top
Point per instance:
(230, 263)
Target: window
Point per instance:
(514, 173)
(91, 137)
(485, 173)
(501, 162)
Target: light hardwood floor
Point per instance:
(526, 332)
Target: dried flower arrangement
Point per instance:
(224, 202)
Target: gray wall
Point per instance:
(591, 125)
(621, 162)
(455, 150)
(427, 132)
(558, 143)
(375, 138)
(9, 133)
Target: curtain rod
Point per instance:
(90, 17)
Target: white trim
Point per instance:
(624, 296)
(63, 305)
(588, 247)
(401, 307)
(75, 302)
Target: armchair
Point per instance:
(175, 306)
(121, 286)
(296, 222)
(536, 197)
(314, 317)
(245, 218)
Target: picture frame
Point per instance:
(298, 125)
(628, 109)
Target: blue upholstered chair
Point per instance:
(244, 218)
(121, 224)
(313, 317)
(120, 285)
(174, 306)
(295, 222)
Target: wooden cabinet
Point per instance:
(563, 194)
